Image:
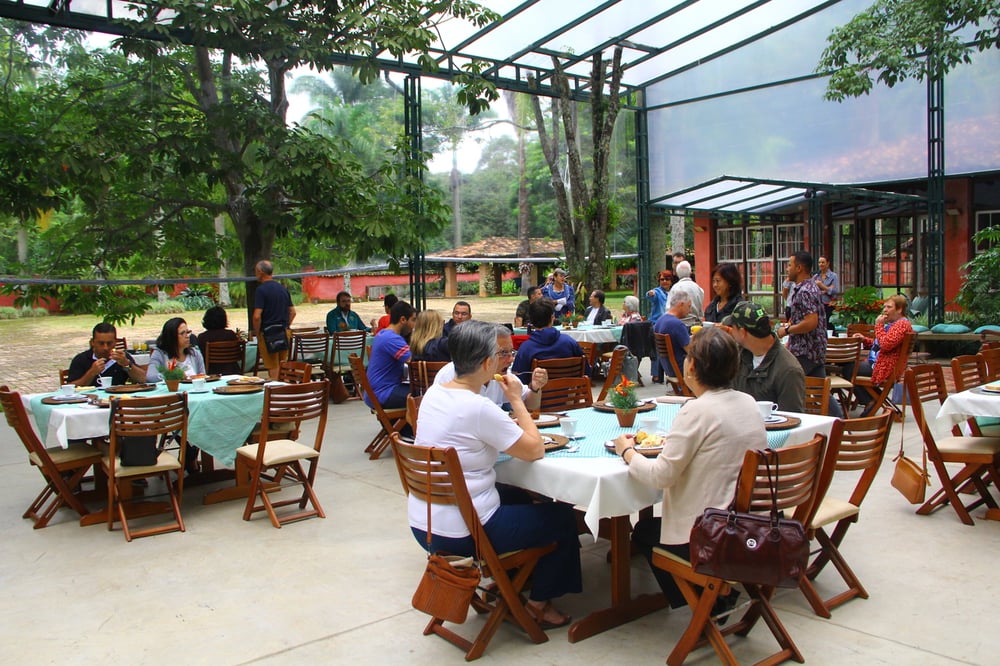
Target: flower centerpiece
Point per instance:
(625, 402)
(172, 375)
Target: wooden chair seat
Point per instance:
(75, 453)
(958, 449)
(832, 510)
(279, 451)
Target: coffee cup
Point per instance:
(568, 427)
(766, 409)
(198, 385)
(67, 389)
(104, 382)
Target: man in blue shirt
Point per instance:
(342, 318)
(544, 341)
(670, 324)
(390, 352)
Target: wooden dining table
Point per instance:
(217, 424)
(588, 476)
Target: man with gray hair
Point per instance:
(686, 284)
(672, 324)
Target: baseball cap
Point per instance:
(750, 317)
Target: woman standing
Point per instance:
(561, 293)
(727, 283)
(174, 346)
(455, 414)
(702, 454)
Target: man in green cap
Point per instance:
(767, 371)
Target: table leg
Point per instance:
(623, 607)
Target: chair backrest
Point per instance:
(589, 351)
(968, 371)
(64, 376)
(346, 343)
(155, 416)
(566, 393)
(795, 472)
(121, 343)
(17, 419)
(614, 372)
(991, 357)
(311, 347)
(860, 447)
(905, 347)
(225, 356)
(569, 366)
(925, 383)
(867, 330)
(294, 372)
(817, 398)
(665, 349)
(422, 374)
(361, 376)
(844, 353)
(295, 403)
(413, 410)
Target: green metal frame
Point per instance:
(412, 119)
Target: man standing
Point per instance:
(544, 341)
(806, 325)
(461, 312)
(342, 318)
(672, 324)
(697, 294)
(521, 314)
(104, 360)
(596, 312)
(272, 308)
(767, 371)
(389, 353)
(829, 288)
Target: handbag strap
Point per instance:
(902, 428)
(428, 502)
(771, 484)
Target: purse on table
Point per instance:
(449, 581)
(752, 548)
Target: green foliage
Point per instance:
(197, 297)
(468, 288)
(509, 288)
(891, 40)
(33, 312)
(7, 312)
(169, 306)
(859, 305)
(980, 291)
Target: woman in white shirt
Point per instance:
(702, 454)
(174, 345)
(454, 414)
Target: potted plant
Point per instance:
(576, 320)
(172, 375)
(625, 402)
(859, 305)
(567, 321)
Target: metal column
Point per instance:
(935, 195)
(644, 271)
(414, 132)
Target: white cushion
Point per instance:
(279, 451)
(61, 456)
(974, 445)
(833, 510)
(165, 462)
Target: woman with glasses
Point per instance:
(455, 414)
(174, 346)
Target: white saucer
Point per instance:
(578, 435)
(776, 419)
(204, 390)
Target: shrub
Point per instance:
(197, 297)
(7, 312)
(169, 306)
(469, 288)
(859, 305)
(510, 288)
(34, 312)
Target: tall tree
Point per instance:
(586, 213)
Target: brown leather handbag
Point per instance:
(449, 581)
(748, 547)
(910, 479)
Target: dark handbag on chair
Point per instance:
(449, 581)
(275, 338)
(747, 547)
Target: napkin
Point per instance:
(673, 399)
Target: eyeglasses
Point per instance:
(506, 353)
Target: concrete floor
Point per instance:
(338, 590)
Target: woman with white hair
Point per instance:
(630, 311)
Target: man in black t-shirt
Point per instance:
(104, 360)
(272, 306)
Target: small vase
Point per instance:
(626, 417)
(172, 384)
(575, 324)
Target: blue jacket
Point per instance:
(543, 343)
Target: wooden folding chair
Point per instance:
(991, 358)
(589, 352)
(979, 456)
(281, 459)
(314, 349)
(434, 475)
(881, 394)
(62, 469)
(859, 446)
(665, 349)
(225, 357)
(867, 330)
(390, 420)
(969, 371)
(157, 417)
(567, 393)
(64, 376)
(817, 398)
(558, 368)
(796, 473)
(842, 358)
(422, 374)
(294, 372)
(346, 343)
(613, 375)
(121, 344)
(413, 410)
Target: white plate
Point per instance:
(204, 390)
(578, 435)
(776, 419)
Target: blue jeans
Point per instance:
(518, 524)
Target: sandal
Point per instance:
(538, 615)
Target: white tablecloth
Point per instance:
(585, 333)
(602, 484)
